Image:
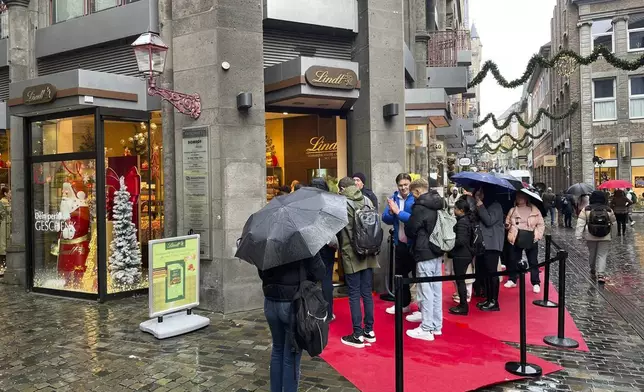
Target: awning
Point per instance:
(79, 89)
(311, 83)
(427, 105)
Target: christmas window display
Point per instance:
(65, 230)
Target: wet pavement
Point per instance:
(54, 344)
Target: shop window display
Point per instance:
(5, 198)
(65, 233)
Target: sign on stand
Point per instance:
(174, 287)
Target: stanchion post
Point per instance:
(398, 288)
(560, 340)
(392, 266)
(545, 302)
(523, 368)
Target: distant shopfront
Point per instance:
(85, 132)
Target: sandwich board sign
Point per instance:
(173, 265)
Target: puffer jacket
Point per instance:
(462, 245)
(421, 224)
(351, 261)
(535, 224)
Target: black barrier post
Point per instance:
(522, 368)
(398, 288)
(388, 296)
(545, 302)
(560, 340)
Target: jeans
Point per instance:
(621, 223)
(328, 257)
(552, 210)
(404, 265)
(285, 364)
(490, 263)
(360, 285)
(531, 254)
(460, 268)
(598, 252)
(430, 298)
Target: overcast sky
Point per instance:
(511, 32)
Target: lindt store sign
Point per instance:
(42, 93)
(339, 78)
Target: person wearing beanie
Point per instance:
(361, 181)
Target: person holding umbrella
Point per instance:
(283, 241)
(525, 227)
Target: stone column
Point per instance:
(20, 68)
(377, 144)
(204, 36)
(586, 149)
(167, 116)
(420, 43)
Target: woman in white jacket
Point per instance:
(595, 225)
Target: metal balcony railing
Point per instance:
(4, 21)
(463, 108)
(443, 47)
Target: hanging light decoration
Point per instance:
(566, 66)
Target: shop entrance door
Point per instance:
(67, 209)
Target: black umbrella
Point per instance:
(580, 189)
(541, 186)
(292, 228)
(535, 200)
(516, 182)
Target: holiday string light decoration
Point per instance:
(539, 60)
(542, 112)
(486, 148)
(507, 135)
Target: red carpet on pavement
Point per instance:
(462, 359)
(504, 325)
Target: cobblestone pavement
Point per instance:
(54, 344)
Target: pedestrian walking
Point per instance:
(525, 229)
(429, 260)
(549, 203)
(620, 204)
(567, 202)
(632, 197)
(490, 214)
(397, 213)
(451, 200)
(358, 269)
(462, 253)
(327, 253)
(595, 225)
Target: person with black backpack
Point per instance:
(281, 286)
(596, 224)
(360, 242)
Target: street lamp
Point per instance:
(150, 53)
(599, 161)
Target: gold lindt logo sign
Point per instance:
(43, 93)
(328, 77)
(320, 148)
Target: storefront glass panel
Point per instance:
(606, 151)
(5, 197)
(605, 174)
(62, 136)
(64, 245)
(133, 154)
(637, 173)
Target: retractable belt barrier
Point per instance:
(520, 368)
(389, 282)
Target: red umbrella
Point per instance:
(616, 184)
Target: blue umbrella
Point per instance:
(477, 180)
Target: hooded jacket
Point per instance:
(281, 283)
(597, 200)
(351, 261)
(422, 223)
(463, 244)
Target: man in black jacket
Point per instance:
(361, 181)
(429, 261)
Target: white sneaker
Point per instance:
(437, 333)
(418, 333)
(536, 289)
(632, 223)
(415, 317)
(392, 309)
(510, 284)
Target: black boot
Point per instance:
(492, 306)
(482, 304)
(461, 310)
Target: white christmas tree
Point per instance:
(125, 258)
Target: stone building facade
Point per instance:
(219, 50)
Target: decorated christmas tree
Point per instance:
(125, 258)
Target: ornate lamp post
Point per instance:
(150, 53)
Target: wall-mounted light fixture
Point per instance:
(390, 110)
(150, 53)
(244, 101)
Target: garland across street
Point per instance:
(542, 112)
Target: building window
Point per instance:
(636, 96)
(636, 32)
(604, 105)
(606, 151)
(602, 34)
(62, 10)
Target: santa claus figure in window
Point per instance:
(74, 235)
